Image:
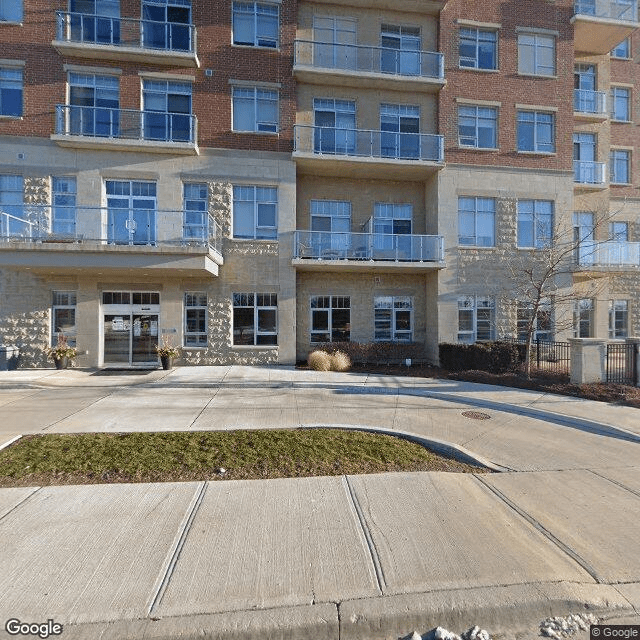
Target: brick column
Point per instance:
(588, 360)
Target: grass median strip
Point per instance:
(92, 458)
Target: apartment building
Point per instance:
(248, 179)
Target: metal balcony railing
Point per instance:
(368, 144)
(125, 124)
(588, 172)
(86, 28)
(626, 10)
(613, 253)
(118, 226)
(590, 102)
(339, 245)
(361, 58)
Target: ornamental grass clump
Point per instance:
(319, 361)
(340, 361)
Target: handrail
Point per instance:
(589, 101)
(589, 172)
(607, 9)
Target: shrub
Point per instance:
(340, 361)
(494, 357)
(319, 361)
(378, 352)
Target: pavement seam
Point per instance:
(211, 399)
(542, 529)
(371, 545)
(618, 484)
(53, 424)
(175, 554)
(3, 516)
(636, 609)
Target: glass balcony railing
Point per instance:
(625, 10)
(363, 143)
(84, 28)
(610, 254)
(587, 172)
(359, 58)
(117, 226)
(590, 102)
(125, 124)
(339, 245)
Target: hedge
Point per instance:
(494, 357)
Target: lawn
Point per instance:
(90, 458)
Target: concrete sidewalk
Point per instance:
(362, 557)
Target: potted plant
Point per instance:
(62, 352)
(167, 353)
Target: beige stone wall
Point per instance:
(362, 288)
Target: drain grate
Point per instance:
(476, 415)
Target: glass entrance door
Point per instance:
(144, 338)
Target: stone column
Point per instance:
(636, 341)
(588, 360)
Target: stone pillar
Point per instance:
(636, 341)
(588, 360)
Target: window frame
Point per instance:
(626, 41)
(5, 85)
(394, 310)
(195, 220)
(255, 27)
(261, 126)
(344, 334)
(618, 231)
(190, 307)
(273, 230)
(17, 17)
(615, 90)
(474, 307)
(613, 164)
(581, 307)
(170, 88)
(475, 42)
(535, 124)
(71, 304)
(59, 205)
(524, 312)
(254, 304)
(535, 47)
(540, 241)
(477, 120)
(476, 212)
(618, 319)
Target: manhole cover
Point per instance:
(476, 415)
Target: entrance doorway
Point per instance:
(130, 327)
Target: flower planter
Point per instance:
(61, 363)
(167, 362)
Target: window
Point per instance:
(620, 104)
(619, 231)
(166, 24)
(535, 223)
(330, 215)
(583, 318)
(131, 212)
(476, 221)
(583, 237)
(330, 319)
(620, 166)
(96, 21)
(255, 212)
(400, 50)
(477, 127)
(64, 206)
(10, 92)
(12, 217)
(393, 318)
(536, 132)
(255, 109)
(255, 24)
(94, 105)
(63, 316)
(623, 50)
(255, 319)
(392, 218)
(478, 48)
(335, 123)
(536, 54)
(196, 206)
(542, 324)
(334, 42)
(10, 10)
(167, 111)
(400, 127)
(618, 319)
(195, 319)
(475, 318)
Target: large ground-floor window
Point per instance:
(393, 318)
(330, 319)
(63, 317)
(476, 318)
(195, 319)
(255, 319)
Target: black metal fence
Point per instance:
(547, 355)
(622, 363)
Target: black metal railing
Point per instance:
(622, 363)
(546, 355)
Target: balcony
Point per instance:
(332, 151)
(125, 129)
(83, 35)
(612, 254)
(372, 67)
(48, 239)
(425, 7)
(599, 25)
(590, 105)
(347, 251)
(590, 175)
